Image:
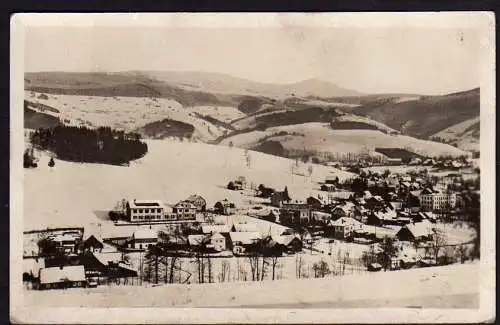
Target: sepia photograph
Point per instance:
(215, 168)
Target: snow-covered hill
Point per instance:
(320, 137)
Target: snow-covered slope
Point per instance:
(436, 287)
(321, 137)
(464, 134)
(130, 113)
(70, 194)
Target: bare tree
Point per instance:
(462, 253)
(224, 271)
(437, 243)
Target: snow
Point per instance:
(372, 289)
(129, 113)
(76, 194)
(321, 137)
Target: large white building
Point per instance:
(438, 201)
(145, 210)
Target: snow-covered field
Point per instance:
(70, 193)
(321, 137)
(130, 113)
(465, 138)
(420, 285)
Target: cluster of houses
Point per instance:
(397, 201)
(234, 239)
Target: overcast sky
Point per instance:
(414, 60)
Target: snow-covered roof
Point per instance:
(195, 240)
(207, 229)
(285, 239)
(346, 221)
(58, 274)
(145, 233)
(246, 238)
(245, 227)
(420, 229)
(145, 203)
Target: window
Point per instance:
(146, 210)
(140, 210)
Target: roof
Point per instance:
(217, 235)
(57, 274)
(387, 214)
(65, 237)
(245, 227)
(246, 238)
(145, 233)
(346, 221)
(285, 239)
(226, 202)
(343, 195)
(194, 197)
(420, 229)
(195, 240)
(207, 229)
(186, 204)
(145, 203)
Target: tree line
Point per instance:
(82, 144)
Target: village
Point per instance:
(379, 220)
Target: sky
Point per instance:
(371, 60)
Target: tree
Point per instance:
(230, 186)
(29, 160)
(388, 252)
(248, 160)
(437, 243)
(321, 269)
(286, 196)
(51, 162)
(231, 144)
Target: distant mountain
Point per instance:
(188, 88)
(226, 84)
(423, 116)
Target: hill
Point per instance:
(225, 84)
(320, 139)
(464, 135)
(425, 116)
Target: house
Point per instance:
(67, 243)
(217, 242)
(278, 198)
(383, 217)
(185, 210)
(142, 239)
(418, 231)
(438, 202)
(295, 213)
(374, 202)
(92, 244)
(106, 265)
(242, 181)
(62, 277)
(396, 205)
(290, 243)
(244, 241)
(343, 210)
(320, 216)
(361, 213)
(344, 227)
(225, 207)
(198, 201)
(315, 202)
(144, 210)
